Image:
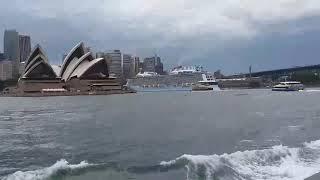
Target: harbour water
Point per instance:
(236, 134)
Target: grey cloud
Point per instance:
(219, 34)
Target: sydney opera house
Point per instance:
(80, 72)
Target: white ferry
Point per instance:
(288, 86)
(208, 83)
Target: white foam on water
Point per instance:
(246, 141)
(46, 172)
(313, 145)
(312, 90)
(277, 163)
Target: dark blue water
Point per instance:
(241, 134)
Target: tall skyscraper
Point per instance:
(153, 64)
(149, 64)
(11, 50)
(136, 65)
(159, 65)
(128, 66)
(25, 47)
(116, 63)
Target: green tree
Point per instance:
(306, 77)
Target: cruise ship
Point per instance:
(160, 83)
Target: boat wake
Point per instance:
(312, 90)
(60, 167)
(276, 163)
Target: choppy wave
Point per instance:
(59, 167)
(277, 163)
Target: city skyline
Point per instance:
(231, 37)
(25, 46)
(17, 49)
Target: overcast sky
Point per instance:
(219, 34)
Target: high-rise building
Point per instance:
(137, 66)
(24, 47)
(11, 50)
(22, 65)
(5, 70)
(159, 65)
(149, 64)
(128, 66)
(116, 63)
(153, 64)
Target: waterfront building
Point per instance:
(136, 61)
(5, 70)
(159, 66)
(24, 47)
(141, 66)
(128, 66)
(11, 49)
(21, 67)
(80, 72)
(116, 63)
(153, 64)
(149, 64)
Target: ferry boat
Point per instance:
(288, 86)
(208, 83)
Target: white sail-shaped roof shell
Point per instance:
(39, 57)
(74, 64)
(76, 53)
(84, 67)
(69, 68)
(35, 52)
(34, 66)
